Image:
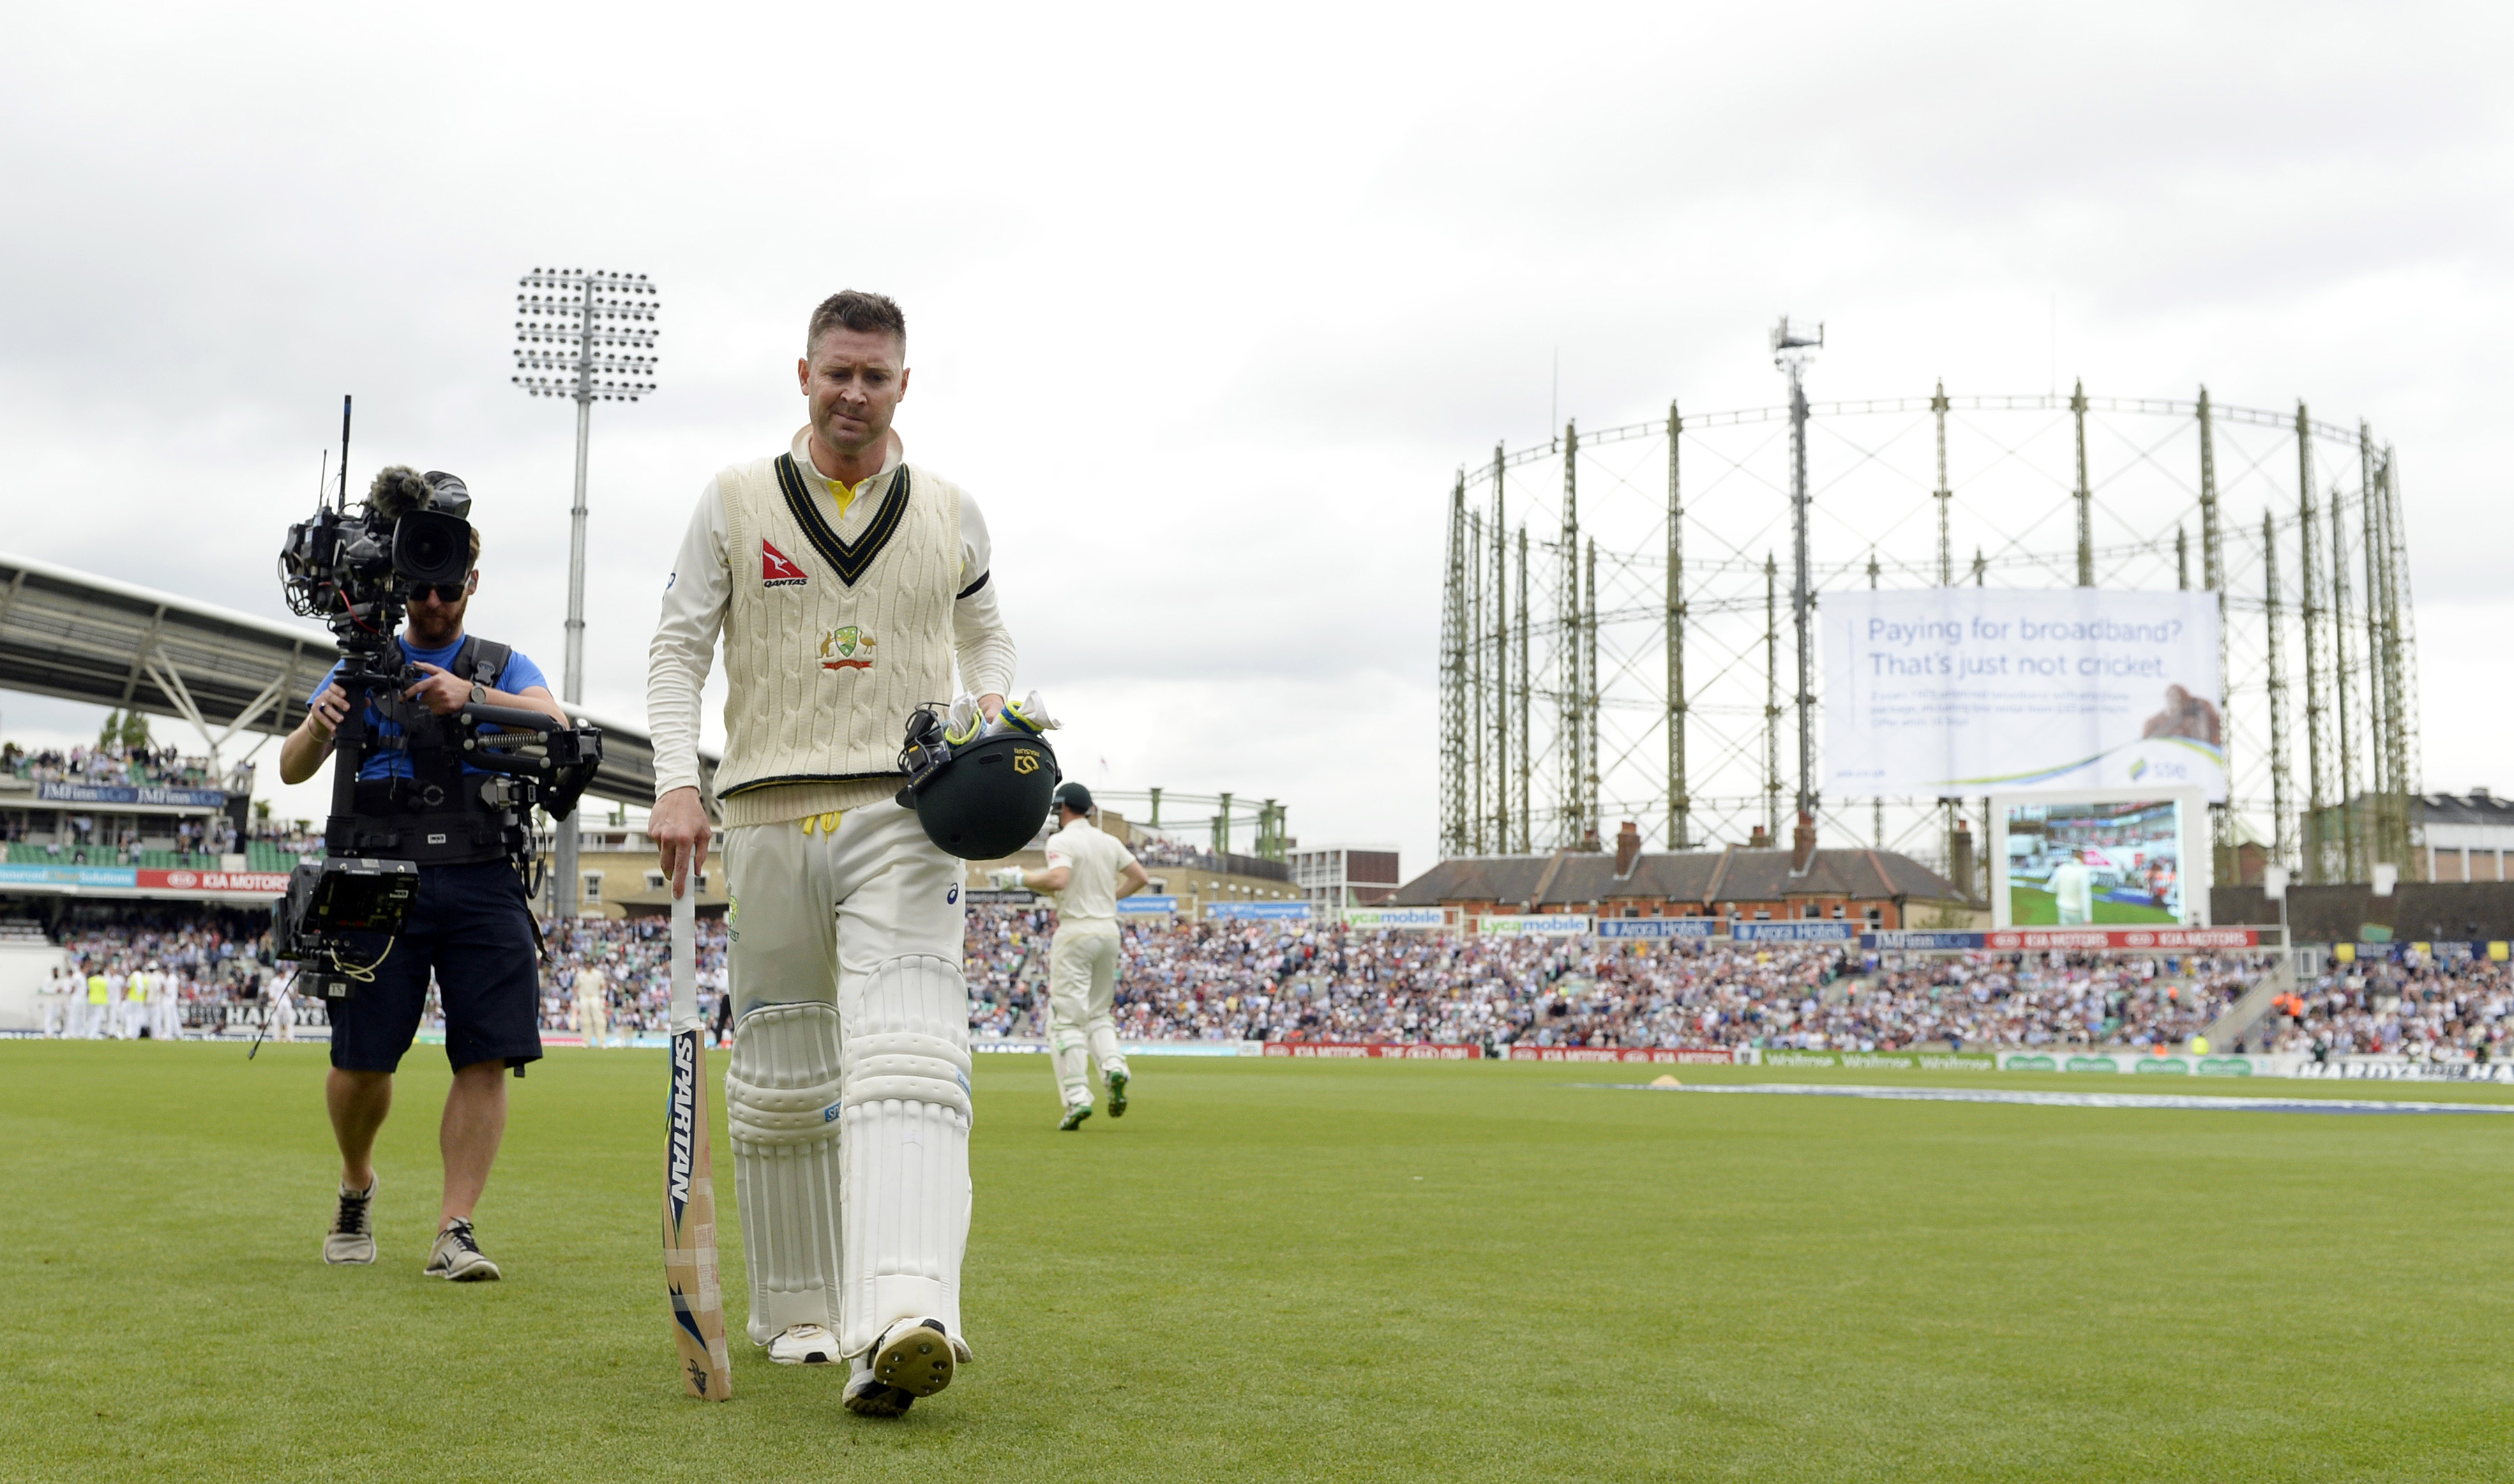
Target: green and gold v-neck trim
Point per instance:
(849, 560)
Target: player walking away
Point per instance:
(279, 1011)
(471, 930)
(1089, 871)
(60, 993)
(592, 1005)
(846, 582)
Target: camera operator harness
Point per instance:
(475, 775)
(438, 813)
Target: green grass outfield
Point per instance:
(1338, 1270)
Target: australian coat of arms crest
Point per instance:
(846, 649)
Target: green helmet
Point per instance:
(987, 797)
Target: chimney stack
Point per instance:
(1761, 839)
(1802, 845)
(1627, 848)
(1960, 866)
(1589, 840)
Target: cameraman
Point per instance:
(470, 927)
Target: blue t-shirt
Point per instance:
(519, 676)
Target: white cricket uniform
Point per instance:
(279, 1011)
(166, 1006)
(59, 1008)
(1082, 959)
(592, 1005)
(847, 1091)
(118, 994)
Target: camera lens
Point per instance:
(429, 546)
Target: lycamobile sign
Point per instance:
(1395, 917)
(1549, 925)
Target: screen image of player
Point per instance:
(2080, 864)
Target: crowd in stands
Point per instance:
(2448, 1009)
(1299, 982)
(139, 763)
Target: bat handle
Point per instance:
(685, 961)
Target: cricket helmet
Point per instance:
(987, 797)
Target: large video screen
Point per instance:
(2077, 865)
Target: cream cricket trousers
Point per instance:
(847, 1093)
(593, 1018)
(1081, 989)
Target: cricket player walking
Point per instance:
(594, 1005)
(846, 582)
(1089, 872)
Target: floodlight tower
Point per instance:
(584, 334)
(1792, 350)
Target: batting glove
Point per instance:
(1006, 878)
(963, 722)
(1029, 714)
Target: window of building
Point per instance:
(1876, 918)
(593, 889)
(1763, 914)
(655, 881)
(1840, 911)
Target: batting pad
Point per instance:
(904, 1139)
(781, 1100)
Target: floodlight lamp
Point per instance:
(2274, 883)
(1785, 338)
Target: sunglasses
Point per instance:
(446, 592)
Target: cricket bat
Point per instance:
(690, 1271)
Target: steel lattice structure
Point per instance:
(1617, 636)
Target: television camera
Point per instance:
(476, 775)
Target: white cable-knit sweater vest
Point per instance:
(828, 646)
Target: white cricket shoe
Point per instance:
(917, 1356)
(868, 1395)
(804, 1344)
(458, 1259)
(352, 1237)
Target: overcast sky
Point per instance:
(1207, 306)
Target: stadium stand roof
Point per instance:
(83, 637)
(1579, 878)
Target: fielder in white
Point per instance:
(1089, 872)
(61, 995)
(594, 1005)
(846, 582)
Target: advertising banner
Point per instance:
(1882, 1061)
(1258, 911)
(1141, 906)
(1395, 917)
(1550, 925)
(131, 795)
(1973, 691)
(1353, 1051)
(2144, 1063)
(1794, 932)
(1015, 898)
(1659, 927)
(2154, 939)
(1678, 1055)
(125, 878)
(1909, 942)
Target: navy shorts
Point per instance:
(472, 928)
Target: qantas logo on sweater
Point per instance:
(775, 571)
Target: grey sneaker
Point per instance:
(458, 1259)
(352, 1237)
